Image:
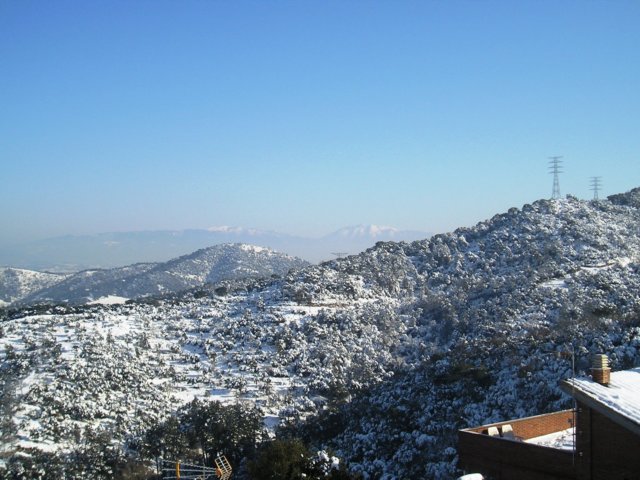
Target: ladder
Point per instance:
(177, 470)
(223, 467)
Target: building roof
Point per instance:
(619, 401)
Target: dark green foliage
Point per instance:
(279, 459)
(291, 459)
(166, 440)
(234, 429)
(221, 291)
(206, 429)
(96, 459)
(199, 430)
(464, 371)
(8, 407)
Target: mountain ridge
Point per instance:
(16, 283)
(207, 265)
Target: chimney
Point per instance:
(600, 371)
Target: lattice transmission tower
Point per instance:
(596, 184)
(555, 168)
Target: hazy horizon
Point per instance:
(235, 229)
(118, 249)
(305, 117)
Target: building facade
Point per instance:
(598, 440)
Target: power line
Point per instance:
(596, 184)
(555, 168)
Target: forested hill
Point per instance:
(16, 283)
(207, 265)
(394, 349)
(541, 242)
(490, 317)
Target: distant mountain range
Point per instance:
(106, 250)
(208, 265)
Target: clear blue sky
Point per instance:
(303, 117)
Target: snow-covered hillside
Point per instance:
(78, 372)
(17, 283)
(380, 356)
(208, 265)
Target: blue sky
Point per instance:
(304, 117)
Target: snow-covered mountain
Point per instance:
(17, 283)
(208, 265)
(380, 356)
(73, 253)
(376, 233)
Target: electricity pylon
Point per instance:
(555, 167)
(596, 183)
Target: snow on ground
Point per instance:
(555, 283)
(47, 446)
(103, 367)
(253, 248)
(563, 439)
(624, 261)
(109, 300)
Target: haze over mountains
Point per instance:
(73, 253)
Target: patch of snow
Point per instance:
(184, 394)
(624, 261)
(109, 300)
(271, 421)
(48, 446)
(253, 248)
(554, 283)
(562, 440)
